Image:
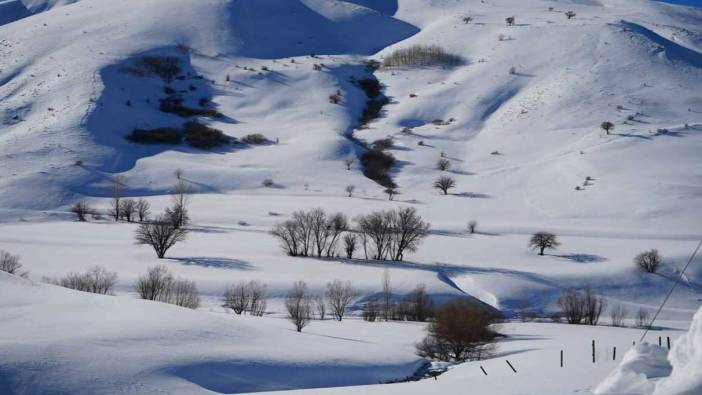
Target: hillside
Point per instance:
(517, 120)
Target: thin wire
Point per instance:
(671, 291)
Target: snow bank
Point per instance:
(641, 363)
(679, 370)
(686, 358)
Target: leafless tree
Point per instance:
(408, 230)
(643, 318)
(510, 20)
(417, 305)
(349, 189)
(607, 126)
(155, 284)
(444, 183)
(128, 209)
(117, 185)
(11, 264)
(298, 305)
(375, 228)
(143, 208)
(160, 234)
(336, 225)
(348, 162)
(340, 294)
(178, 214)
(257, 298)
(371, 310)
(96, 280)
(443, 164)
(320, 234)
(184, 293)
(617, 314)
(581, 306)
(648, 261)
(288, 233)
(237, 297)
(320, 305)
(350, 241)
(461, 331)
(81, 210)
(542, 241)
(391, 191)
(388, 305)
(472, 225)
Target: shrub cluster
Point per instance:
(201, 136)
(246, 297)
(159, 284)
(174, 105)
(165, 67)
(96, 280)
(581, 306)
(156, 136)
(255, 139)
(376, 166)
(422, 56)
(11, 264)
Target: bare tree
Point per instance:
(472, 225)
(391, 191)
(443, 164)
(288, 233)
(581, 306)
(648, 261)
(336, 225)
(298, 305)
(444, 183)
(340, 294)
(643, 318)
(417, 305)
(320, 235)
(408, 230)
(320, 305)
(462, 331)
(371, 310)
(117, 185)
(375, 228)
(350, 241)
(510, 20)
(237, 297)
(184, 293)
(542, 241)
(178, 214)
(388, 305)
(155, 284)
(160, 234)
(348, 162)
(81, 210)
(607, 126)
(349, 189)
(617, 314)
(128, 209)
(96, 280)
(143, 208)
(257, 298)
(572, 306)
(11, 264)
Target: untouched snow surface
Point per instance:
(519, 144)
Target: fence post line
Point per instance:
(614, 354)
(593, 350)
(561, 358)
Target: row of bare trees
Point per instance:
(97, 280)
(246, 297)
(383, 235)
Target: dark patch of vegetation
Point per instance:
(422, 56)
(166, 67)
(201, 136)
(376, 166)
(156, 136)
(255, 139)
(174, 105)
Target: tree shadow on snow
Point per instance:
(582, 258)
(214, 262)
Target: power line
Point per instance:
(675, 284)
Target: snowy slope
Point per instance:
(67, 104)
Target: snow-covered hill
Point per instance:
(518, 121)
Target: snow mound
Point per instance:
(678, 371)
(686, 358)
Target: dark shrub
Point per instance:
(201, 136)
(377, 165)
(156, 136)
(382, 144)
(166, 67)
(255, 138)
(422, 55)
(174, 105)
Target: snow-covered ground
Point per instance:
(66, 105)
